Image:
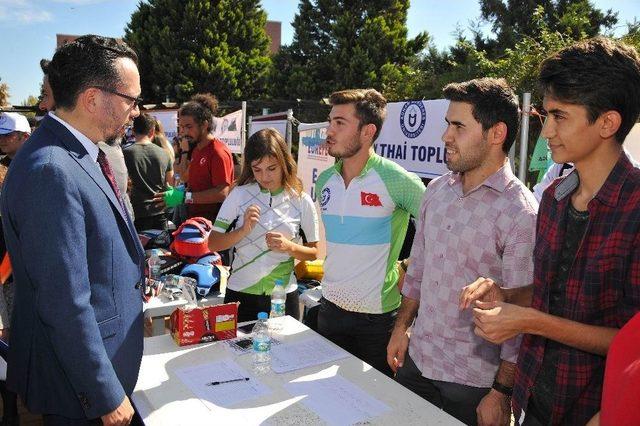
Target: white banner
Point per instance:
(411, 136)
(313, 157)
(229, 130)
(632, 142)
(169, 120)
(279, 125)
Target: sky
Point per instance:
(28, 28)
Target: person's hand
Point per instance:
(121, 416)
(497, 322)
(251, 217)
(494, 409)
(277, 242)
(484, 289)
(158, 200)
(183, 143)
(397, 349)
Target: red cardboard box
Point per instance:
(204, 324)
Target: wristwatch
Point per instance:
(188, 198)
(404, 264)
(505, 390)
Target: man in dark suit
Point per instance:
(78, 265)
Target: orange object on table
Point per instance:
(204, 324)
(5, 269)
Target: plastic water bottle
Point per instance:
(261, 345)
(155, 264)
(278, 300)
(177, 183)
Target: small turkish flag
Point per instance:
(368, 199)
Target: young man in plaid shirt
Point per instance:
(587, 255)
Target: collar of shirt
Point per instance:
(610, 191)
(498, 180)
(92, 148)
(373, 158)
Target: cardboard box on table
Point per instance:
(204, 324)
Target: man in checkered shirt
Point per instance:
(476, 220)
(587, 257)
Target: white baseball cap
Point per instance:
(13, 122)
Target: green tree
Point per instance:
(189, 46)
(30, 101)
(438, 68)
(519, 65)
(633, 34)
(511, 21)
(344, 44)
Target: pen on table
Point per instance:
(241, 379)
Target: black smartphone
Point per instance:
(243, 343)
(246, 328)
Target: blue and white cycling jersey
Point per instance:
(365, 225)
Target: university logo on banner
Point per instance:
(413, 117)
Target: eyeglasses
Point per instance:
(136, 101)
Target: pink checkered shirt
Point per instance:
(488, 232)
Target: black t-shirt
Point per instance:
(147, 165)
(542, 395)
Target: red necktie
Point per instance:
(106, 171)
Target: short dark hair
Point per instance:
(493, 101)
(143, 124)
(202, 107)
(87, 61)
(371, 106)
(600, 74)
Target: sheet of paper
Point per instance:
(225, 394)
(337, 401)
(304, 353)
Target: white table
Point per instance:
(157, 308)
(163, 399)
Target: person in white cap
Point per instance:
(14, 130)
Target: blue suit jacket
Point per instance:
(76, 334)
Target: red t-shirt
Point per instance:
(621, 390)
(210, 166)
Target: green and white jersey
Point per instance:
(365, 225)
(255, 268)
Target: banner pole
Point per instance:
(243, 131)
(289, 127)
(524, 136)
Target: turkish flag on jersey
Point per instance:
(368, 199)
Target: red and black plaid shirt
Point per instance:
(603, 287)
